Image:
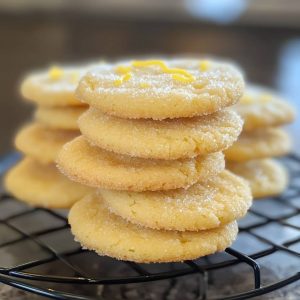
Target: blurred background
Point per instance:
(262, 36)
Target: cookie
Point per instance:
(167, 139)
(59, 117)
(55, 86)
(96, 167)
(160, 89)
(266, 176)
(221, 200)
(42, 143)
(107, 234)
(43, 185)
(259, 144)
(261, 108)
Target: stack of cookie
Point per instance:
(151, 144)
(263, 112)
(35, 179)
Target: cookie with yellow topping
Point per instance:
(107, 234)
(59, 117)
(55, 86)
(261, 108)
(266, 177)
(259, 144)
(43, 185)
(43, 143)
(160, 89)
(166, 139)
(96, 167)
(223, 199)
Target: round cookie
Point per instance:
(42, 143)
(55, 86)
(107, 234)
(259, 144)
(96, 167)
(221, 200)
(59, 117)
(43, 185)
(166, 139)
(266, 176)
(160, 89)
(261, 108)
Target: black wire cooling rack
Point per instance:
(38, 255)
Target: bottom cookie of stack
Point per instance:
(162, 226)
(43, 185)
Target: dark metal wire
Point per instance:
(20, 277)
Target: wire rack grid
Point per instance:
(38, 255)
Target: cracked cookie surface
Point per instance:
(99, 230)
(223, 199)
(166, 139)
(161, 89)
(93, 166)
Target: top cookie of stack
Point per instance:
(153, 127)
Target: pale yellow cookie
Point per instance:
(259, 144)
(55, 86)
(96, 167)
(43, 185)
(266, 176)
(166, 139)
(160, 89)
(107, 234)
(261, 108)
(223, 199)
(59, 117)
(42, 143)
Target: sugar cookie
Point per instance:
(95, 167)
(43, 185)
(166, 139)
(259, 144)
(266, 176)
(223, 199)
(261, 108)
(42, 143)
(107, 234)
(59, 117)
(55, 86)
(160, 89)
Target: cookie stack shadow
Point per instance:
(35, 179)
(151, 146)
(262, 139)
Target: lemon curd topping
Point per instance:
(265, 97)
(74, 77)
(144, 85)
(55, 73)
(124, 78)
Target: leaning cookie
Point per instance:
(166, 139)
(261, 108)
(41, 142)
(55, 86)
(259, 144)
(107, 234)
(265, 176)
(96, 167)
(160, 89)
(59, 117)
(43, 185)
(223, 199)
